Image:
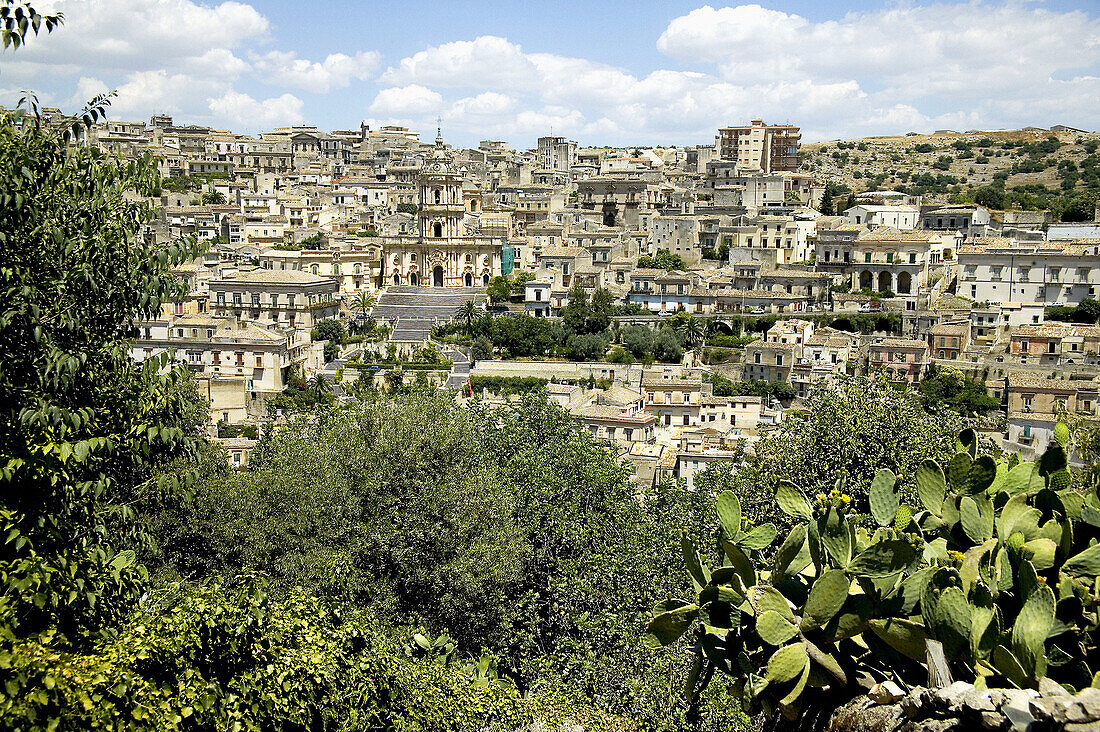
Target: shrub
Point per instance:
(995, 570)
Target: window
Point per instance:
(221, 298)
(290, 301)
(255, 299)
(912, 257)
(756, 357)
(313, 269)
(259, 361)
(1055, 272)
(866, 256)
(274, 299)
(237, 299)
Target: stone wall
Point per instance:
(962, 708)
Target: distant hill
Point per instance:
(1028, 168)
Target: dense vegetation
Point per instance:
(990, 580)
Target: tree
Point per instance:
(638, 339)
(855, 427)
(330, 330)
(663, 259)
(467, 314)
(949, 387)
(217, 198)
(692, 331)
(82, 427)
(364, 303)
(826, 205)
(599, 311)
(499, 290)
(576, 312)
(482, 348)
(587, 347)
(331, 351)
(666, 347)
(314, 241)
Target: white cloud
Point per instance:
(133, 35)
(407, 100)
(487, 62)
(247, 113)
(336, 72)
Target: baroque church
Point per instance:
(441, 253)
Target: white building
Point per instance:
(1052, 273)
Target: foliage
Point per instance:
(582, 316)
(780, 390)
(409, 208)
(83, 427)
(350, 503)
(1088, 311)
(638, 339)
(314, 241)
(499, 289)
(587, 347)
(951, 388)
(217, 198)
(482, 348)
(666, 346)
(853, 428)
(996, 570)
(249, 431)
(263, 662)
(329, 329)
(663, 259)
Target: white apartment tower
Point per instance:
(557, 153)
(758, 146)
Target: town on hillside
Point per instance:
(676, 300)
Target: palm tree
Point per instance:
(363, 303)
(468, 315)
(320, 386)
(692, 331)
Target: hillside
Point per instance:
(1029, 168)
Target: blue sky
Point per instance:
(598, 72)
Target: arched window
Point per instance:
(469, 258)
(437, 230)
(438, 196)
(336, 270)
(313, 269)
(358, 269)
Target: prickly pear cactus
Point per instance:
(999, 566)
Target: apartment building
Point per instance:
(902, 359)
(672, 396)
(556, 153)
(1055, 343)
(1052, 273)
(289, 297)
(760, 146)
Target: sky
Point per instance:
(602, 72)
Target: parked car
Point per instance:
(758, 311)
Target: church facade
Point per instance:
(441, 253)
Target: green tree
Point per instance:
(217, 198)
(950, 388)
(329, 329)
(482, 348)
(83, 427)
(576, 312)
(638, 339)
(364, 303)
(692, 331)
(499, 290)
(666, 346)
(663, 259)
(587, 347)
(467, 314)
(853, 428)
